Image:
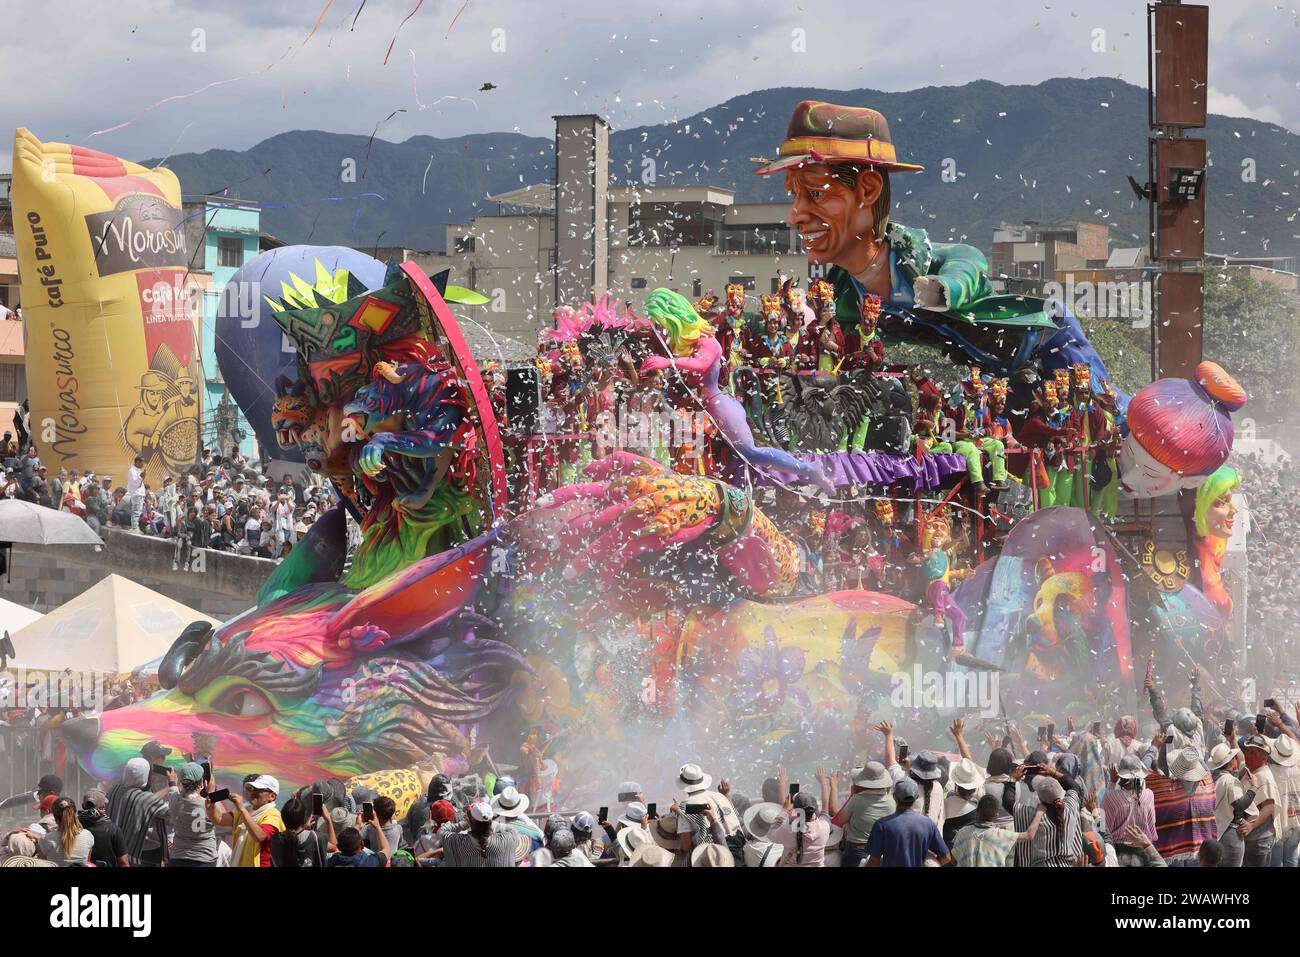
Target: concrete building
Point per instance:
(221, 235)
(9, 293)
(581, 179)
(1027, 255)
(8, 246)
(687, 238)
(1277, 271)
(1073, 263)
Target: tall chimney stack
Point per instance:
(581, 188)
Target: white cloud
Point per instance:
(1219, 102)
(68, 69)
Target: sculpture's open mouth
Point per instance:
(813, 239)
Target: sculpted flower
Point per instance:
(769, 675)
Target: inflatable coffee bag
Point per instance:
(112, 350)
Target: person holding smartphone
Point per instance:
(298, 845)
(699, 820)
(194, 840)
(255, 822)
(137, 811)
(383, 812)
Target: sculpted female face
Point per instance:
(1221, 516)
(834, 220)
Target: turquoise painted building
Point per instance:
(224, 233)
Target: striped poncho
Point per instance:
(1184, 818)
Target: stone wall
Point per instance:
(217, 583)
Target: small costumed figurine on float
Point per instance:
(821, 347)
(939, 573)
(728, 327)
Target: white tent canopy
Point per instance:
(111, 628)
(14, 616)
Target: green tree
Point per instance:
(1250, 330)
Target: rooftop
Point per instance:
(541, 196)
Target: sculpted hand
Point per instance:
(371, 460)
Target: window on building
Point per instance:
(13, 382)
(754, 238)
(465, 244)
(746, 281)
(230, 251)
(673, 224)
(638, 283)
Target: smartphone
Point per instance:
(696, 808)
(1006, 741)
(652, 810)
(1042, 732)
(207, 771)
(794, 790)
(625, 796)
(160, 769)
(1228, 728)
(218, 796)
(1261, 722)
(1271, 703)
(603, 816)
(1051, 732)
(1151, 668)
(318, 805)
(367, 811)
(1096, 729)
(902, 752)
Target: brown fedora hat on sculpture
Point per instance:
(825, 133)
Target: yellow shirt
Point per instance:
(248, 852)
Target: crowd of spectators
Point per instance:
(1272, 570)
(223, 503)
(1206, 786)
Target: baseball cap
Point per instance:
(906, 791)
(49, 784)
(94, 798)
(155, 750)
(47, 803)
(584, 821)
(264, 782)
(481, 811)
(191, 773)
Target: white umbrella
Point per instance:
(35, 524)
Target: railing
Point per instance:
(26, 755)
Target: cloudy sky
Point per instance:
(147, 78)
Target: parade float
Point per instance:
(641, 604)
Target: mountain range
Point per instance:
(1057, 150)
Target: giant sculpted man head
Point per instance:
(836, 161)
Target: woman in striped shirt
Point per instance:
(1059, 841)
